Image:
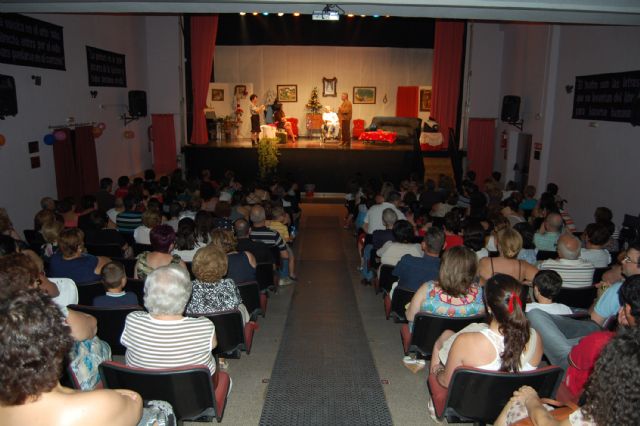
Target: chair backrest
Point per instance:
(250, 293)
(581, 297)
(137, 287)
(108, 250)
(34, 239)
(399, 300)
(188, 389)
(546, 254)
(598, 273)
(229, 332)
(190, 269)
(386, 277)
(86, 292)
(428, 327)
(128, 263)
(110, 323)
(264, 276)
(139, 248)
(479, 395)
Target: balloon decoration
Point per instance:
(3, 140)
(101, 126)
(97, 132)
(49, 139)
(60, 135)
(129, 134)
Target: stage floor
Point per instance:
(314, 143)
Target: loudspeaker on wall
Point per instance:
(8, 99)
(510, 109)
(137, 103)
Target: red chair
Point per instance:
(358, 127)
(294, 125)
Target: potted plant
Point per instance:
(267, 156)
(314, 118)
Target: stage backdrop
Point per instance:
(305, 66)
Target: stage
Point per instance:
(328, 166)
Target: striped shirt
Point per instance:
(268, 236)
(574, 273)
(154, 344)
(128, 221)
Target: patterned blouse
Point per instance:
(218, 296)
(143, 269)
(440, 303)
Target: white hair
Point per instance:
(167, 290)
(567, 252)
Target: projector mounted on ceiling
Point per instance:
(331, 12)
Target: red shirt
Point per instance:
(121, 192)
(582, 359)
(452, 241)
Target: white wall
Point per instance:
(268, 66)
(66, 94)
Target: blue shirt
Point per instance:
(609, 304)
(547, 241)
(81, 269)
(413, 271)
(110, 300)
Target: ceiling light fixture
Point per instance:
(243, 13)
(255, 13)
(265, 13)
(280, 14)
(363, 16)
(350, 15)
(296, 13)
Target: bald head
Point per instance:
(241, 227)
(257, 215)
(553, 222)
(568, 247)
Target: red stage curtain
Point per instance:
(407, 101)
(447, 70)
(164, 143)
(76, 163)
(480, 137)
(86, 160)
(203, 44)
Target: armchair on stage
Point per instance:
(330, 129)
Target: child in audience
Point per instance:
(546, 286)
(280, 223)
(114, 279)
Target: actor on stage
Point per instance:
(344, 112)
(331, 123)
(255, 118)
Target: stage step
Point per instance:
(435, 166)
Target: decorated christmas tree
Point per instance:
(314, 104)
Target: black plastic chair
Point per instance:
(386, 278)
(581, 297)
(427, 328)
(110, 323)
(190, 389)
(232, 333)
(265, 276)
(86, 292)
(250, 293)
(139, 248)
(137, 287)
(190, 269)
(476, 395)
(545, 255)
(128, 263)
(598, 273)
(107, 250)
(399, 300)
(34, 239)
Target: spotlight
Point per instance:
(296, 13)
(280, 14)
(265, 13)
(376, 16)
(350, 15)
(363, 16)
(387, 16)
(243, 13)
(255, 13)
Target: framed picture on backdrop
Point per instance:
(287, 92)
(240, 91)
(329, 87)
(425, 99)
(364, 95)
(217, 95)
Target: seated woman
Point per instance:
(35, 342)
(455, 294)
(70, 261)
(281, 122)
(473, 236)
(211, 292)
(610, 397)
(331, 123)
(404, 243)
(507, 343)
(186, 244)
(158, 338)
(241, 265)
(509, 245)
(150, 219)
(162, 239)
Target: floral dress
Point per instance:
(440, 303)
(143, 269)
(208, 298)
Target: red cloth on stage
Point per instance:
(379, 135)
(203, 43)
(164, 144)
(582, 359)
(447, 71)
(407, 101)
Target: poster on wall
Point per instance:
(106, 69)
(605, 97)
(30, 42)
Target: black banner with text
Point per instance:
(31, 42)
(106, 69)
(606, 97)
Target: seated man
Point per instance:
(546, 286)
(331, 123)
(547, 236)
(596, 236)
(413, 271)
(574, 271)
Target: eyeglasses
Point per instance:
(627, 259)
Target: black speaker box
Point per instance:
(635, 111)
(510, 109)
(137, 103)
(8, 99)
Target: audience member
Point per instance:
(596, 237)
(403, 243)
(101, 234)
(162, 239)
(104, 197)
(150, 219)
(546, 286)
(123, 187)
(112, 214)
(510, 210)
(528, 252)
(260, 233)
(412, 271)
(574, 271)
(547, 236)
(259, 250)
(455, 293)
(373, 220)
(114, 280)
(452, 228)
(67, 209)
(186, 244)
(129, 219)
(509, 244)
(241, 265)
(473, 236)
(70, 261)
